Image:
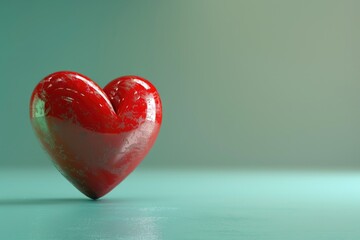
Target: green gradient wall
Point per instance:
(243, 83)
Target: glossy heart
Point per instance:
(95, 137)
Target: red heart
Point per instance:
(95, 137)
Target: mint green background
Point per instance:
(269, 84)
(244, 84)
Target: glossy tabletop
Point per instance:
(183, 204)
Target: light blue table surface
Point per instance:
(183, 204)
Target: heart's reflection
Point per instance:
(104, 219)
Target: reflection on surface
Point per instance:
(100, 220)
